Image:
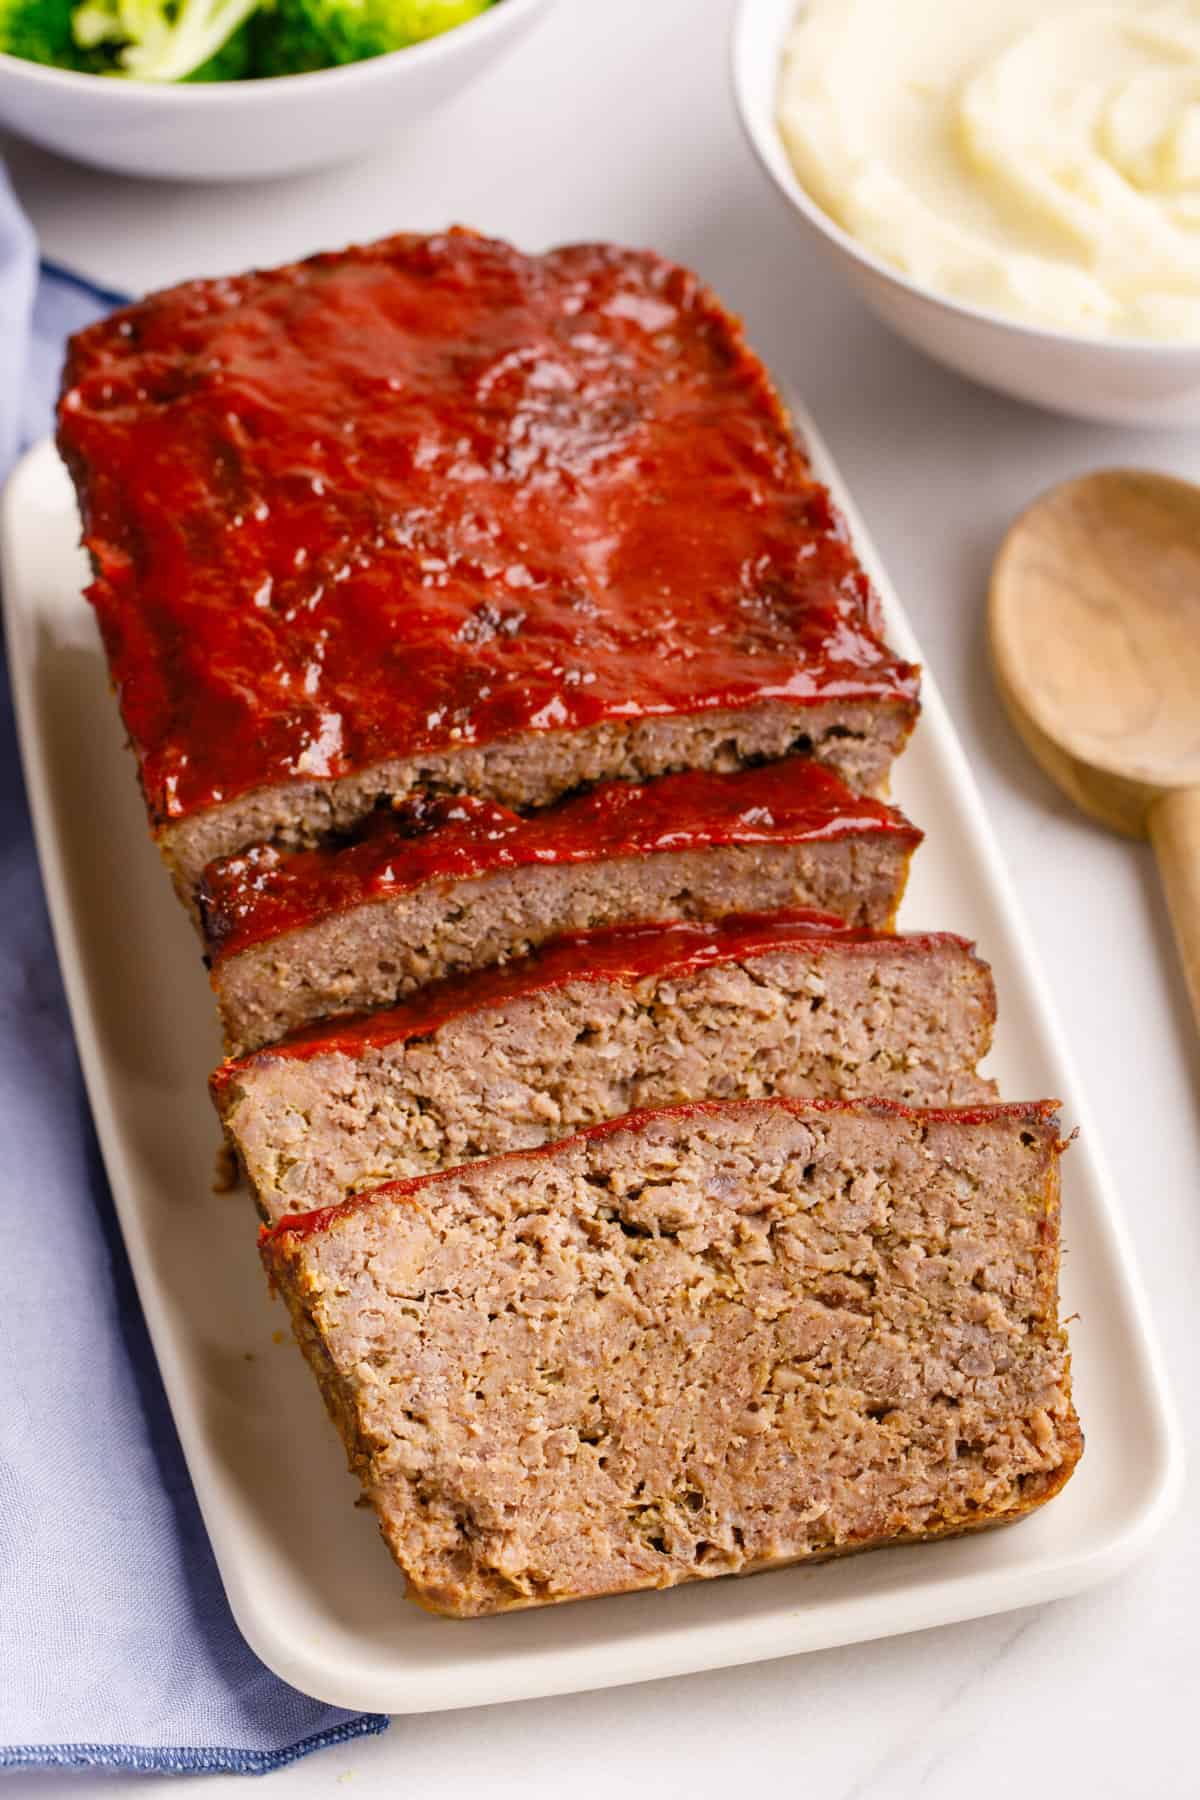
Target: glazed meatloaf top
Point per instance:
(619, 956)
(433, 493)
(248, 899)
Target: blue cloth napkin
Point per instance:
(117, 1646)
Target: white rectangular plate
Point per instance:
(308, 1578)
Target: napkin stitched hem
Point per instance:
(103, 296)
(141, 1760)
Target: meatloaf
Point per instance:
(456, 882)
(598, 1024)
(431, 513)
(694, 1342)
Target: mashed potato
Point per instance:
(1040, 157)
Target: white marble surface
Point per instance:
(616, 121)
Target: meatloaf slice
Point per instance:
(595, 1025)
(696, 1342)
(459, 883)
(433, 513)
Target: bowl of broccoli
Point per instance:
(237, 89)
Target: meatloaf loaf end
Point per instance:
(431, 513)
(460, 883)
(691, 1343)
(596, 1025)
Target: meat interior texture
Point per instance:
(465, 883)
(694, 1343)
(368, 956)
(513, 1058)
(557, 493)
(449, 839)
(858, 743)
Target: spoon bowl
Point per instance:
(1094, 620)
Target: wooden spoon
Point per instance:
(1095, 632)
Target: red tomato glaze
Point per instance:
(456, 837)
(433, 493)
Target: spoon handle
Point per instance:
(1175, 834)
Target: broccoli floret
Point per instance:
(219, 40)
(233, 62)
(40, 31)
(429, 18)
(294, 36)
(166, 40)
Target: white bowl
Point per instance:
(1121, 380)
(242, 130)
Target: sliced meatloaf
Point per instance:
(431, 513)
(459, 883)
(596, 1025)
(695, 1342)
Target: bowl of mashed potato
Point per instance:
(1012, 185)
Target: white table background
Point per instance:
(615, 120)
